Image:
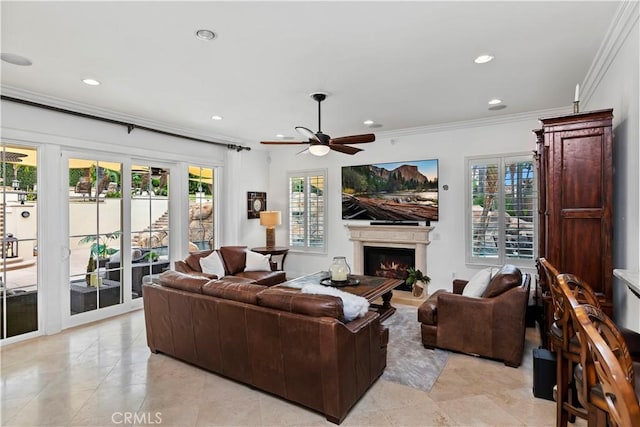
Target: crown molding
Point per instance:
(619, 30)
(110, 114)
(466, 124)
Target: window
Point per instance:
(307, 210)
(501, 206)
(95, 227)
(201, 209)
(19, 244)
(150, 223)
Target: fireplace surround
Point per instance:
(389, 236)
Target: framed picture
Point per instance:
(256, 203)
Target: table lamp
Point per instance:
(270, 219)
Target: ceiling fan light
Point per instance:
(319, 150)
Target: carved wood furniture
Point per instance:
(563, 340)
(605, 355)
(575, 172)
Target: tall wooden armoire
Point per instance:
(575, 170)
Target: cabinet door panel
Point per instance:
(581, 170)
(581, 249)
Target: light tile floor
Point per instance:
(104, 374)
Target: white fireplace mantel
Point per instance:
(390, 236)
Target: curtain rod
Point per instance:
(130, 126)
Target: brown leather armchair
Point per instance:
(492, 326)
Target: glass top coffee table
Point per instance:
(369, 287)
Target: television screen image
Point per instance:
(398, 191)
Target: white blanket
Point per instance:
(353, 305)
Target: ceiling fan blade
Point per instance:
(302, 151)
(283, 142)
(307, 133)
(354, 139)
(345, 149)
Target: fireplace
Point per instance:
(391, 241)
(389, 262)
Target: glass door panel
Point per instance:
(150, 229)
(19, 245)
(201, 209)
(95, 223)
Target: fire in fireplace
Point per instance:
(389, 262)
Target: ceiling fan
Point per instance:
(321, 143)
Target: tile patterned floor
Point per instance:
(103, 374)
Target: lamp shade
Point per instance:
(270, 218)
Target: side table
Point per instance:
(276, 250)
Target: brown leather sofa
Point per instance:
(234, 260)
(492, 326)
(284, 342)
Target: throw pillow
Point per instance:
(257, 262)
(352, 305)
(212, 264)
(478, 283)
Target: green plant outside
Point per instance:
(100, 244)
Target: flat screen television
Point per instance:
(393, 192)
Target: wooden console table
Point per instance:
(276, 250)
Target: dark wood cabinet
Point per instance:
(575, 171)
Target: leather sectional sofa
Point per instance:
(293, 345)
(234, 260)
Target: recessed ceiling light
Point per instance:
(368, 122)
(90, 82)
(483, 59)
(495, 101)
(205, 34)
(279, 135)
(14, 59)
(216, 117)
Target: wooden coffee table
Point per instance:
(370, 287)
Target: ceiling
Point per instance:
(400, 64)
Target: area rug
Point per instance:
(408, 362)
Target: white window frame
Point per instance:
(306, 174)
(501, 258)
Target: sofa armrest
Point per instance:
(458, 286)
(356, 324)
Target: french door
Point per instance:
(150, 230)
(95, 234)
(18, 241)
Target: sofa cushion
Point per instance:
(507, 278)
(234, 258)
(182, 281)
(267, 278)
(257, 262)
(212, 264)
(136, 254)
(295, 302)
(233, 289)
(477, 285)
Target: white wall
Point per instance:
(617, 87)
(450, 145)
